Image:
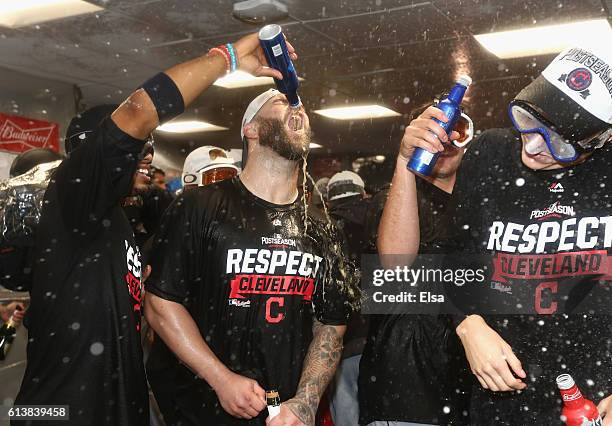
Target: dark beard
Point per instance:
(273, 134)
(140, 189)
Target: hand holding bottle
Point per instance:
(278, 56)
(285, 417)
(8, 330)
(423, 161)
(240, 396)
(13, 309)
(605, 409)
(425, 133)
(251, 57)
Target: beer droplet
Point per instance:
(96, 348)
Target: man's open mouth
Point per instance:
(145, 172)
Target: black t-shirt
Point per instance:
(253, 279)
(352, 216)
(84, 319)
(545, 237)
(411, 368)
(145, 212)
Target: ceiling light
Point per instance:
(189, 127)
(314, 145)
(239, 79)
(545, 40)
(15, 14)
(357, 112)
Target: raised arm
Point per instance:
(138, 115)
(319, 367)
(398, 232)
(101, 172)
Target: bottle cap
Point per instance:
(565, 381)
(464, 80)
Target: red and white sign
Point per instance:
(19, 134)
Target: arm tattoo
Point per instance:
(319, 367)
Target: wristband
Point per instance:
(226, 57)
(233, 57)
(165, 96)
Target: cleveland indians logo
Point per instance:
(579, 79)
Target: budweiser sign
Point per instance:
(19, 134)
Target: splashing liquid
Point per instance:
(314, 184)
(296, 121)
(326, 237)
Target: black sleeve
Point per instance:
(174, 249)
(337, 285)
(373, 218)
(96, 176)
(465, 200)
(463, 211)
(155, 203)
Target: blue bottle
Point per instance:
(273, 44)
(423, 161)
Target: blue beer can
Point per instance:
(423, 161)
(275, 48)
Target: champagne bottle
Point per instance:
(273, 403)
(7, 335)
